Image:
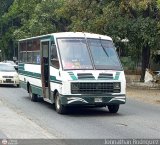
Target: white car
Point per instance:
(8, 75)
(11, 63)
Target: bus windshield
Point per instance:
(77, 53)
(74, 53)
(104, 54)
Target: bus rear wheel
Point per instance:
(33, 96)
(113, 108)
(58, 106)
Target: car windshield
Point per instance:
(104, 54)
(74, 53)
(11, 62)
(79, 53)
(6, 68)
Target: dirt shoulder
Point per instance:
(151, 96)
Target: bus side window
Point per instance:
(54, 57)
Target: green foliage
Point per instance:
(128, 63)
(83, 15)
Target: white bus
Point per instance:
(72, 69)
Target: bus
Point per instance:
(72, 69)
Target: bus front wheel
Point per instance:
(33, 96)
(113, 108)
(58, 106)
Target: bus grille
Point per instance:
(95, 88)
(7, 76)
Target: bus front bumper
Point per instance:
(90, 100)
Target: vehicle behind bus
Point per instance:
(72, 69)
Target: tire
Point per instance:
(33, 97)
(113, 108)
(17, 86)
(58, 106)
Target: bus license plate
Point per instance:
(98, 100)
(8, 80)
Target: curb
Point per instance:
(143, 86)
(14, 125)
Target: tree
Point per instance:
(84, 15)
(138, 22)
(5, 40)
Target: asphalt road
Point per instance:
(134, 119)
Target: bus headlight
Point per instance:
(74, 88)
(117, 85)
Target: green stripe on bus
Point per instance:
(36, 90)
(117, 76)
(30, 74)
(54, 80)
(70, 72)
(38, 76)
(72, 75)
(58, 82)
(50, 37)
(21, 66)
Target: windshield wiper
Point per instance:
(103, 47)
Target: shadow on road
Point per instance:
(87, 111)
(79, 111)
(7, 86)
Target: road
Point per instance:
(134, 119)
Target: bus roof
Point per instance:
(71, 35)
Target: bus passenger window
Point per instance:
(54, 57)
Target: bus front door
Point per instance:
(45, 69)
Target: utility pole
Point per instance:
(0, 55)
